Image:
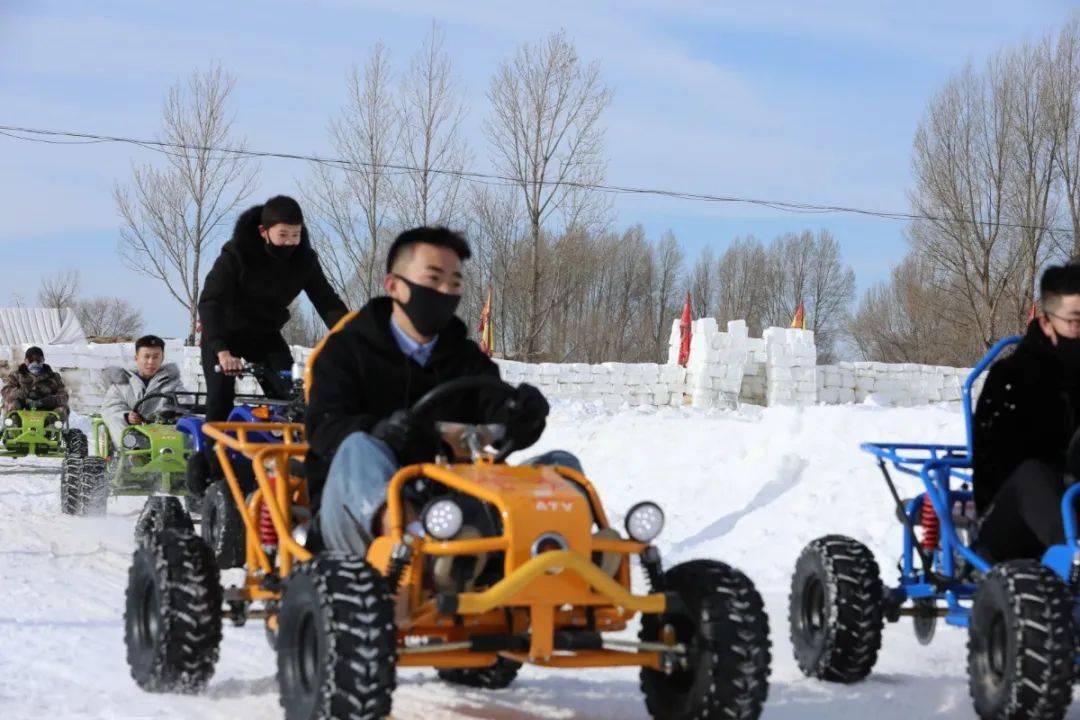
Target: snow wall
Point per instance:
(726, 368)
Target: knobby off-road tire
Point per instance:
(160, 513)
(172, 620)
(222, 527)
(337, 644)
(836, 611)
(495, 677)
(1020, 644)
(726, 633)
(75, 444)
(84, 487)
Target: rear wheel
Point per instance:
(725, 672)
(495, 677)
(222, 527)
(337, 645)
(172, 620)
(160, 513)
(836, 611)
(1020, 643)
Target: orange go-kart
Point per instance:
(504, 565)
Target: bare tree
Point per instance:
(60, 290)
(430, 111)
(109, 317)
(173, 215)
(545, 134)
(702, 284)
(909, 319)
(742, 284)
(351, 208)
(1031, 201)
(1064, 87)
(667, 261)
(962, 167)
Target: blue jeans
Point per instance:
(355, 489)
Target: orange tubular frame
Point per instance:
(477, 612)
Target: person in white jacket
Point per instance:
(125, 387)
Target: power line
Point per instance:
(85, 138)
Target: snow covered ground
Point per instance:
(748, 487)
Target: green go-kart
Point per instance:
(39, 432)
(147, 459)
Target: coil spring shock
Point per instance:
(268, 536)
(931, 525)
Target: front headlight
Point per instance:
(443, 519)
(8, 422)
(58, 425)
(644, 522)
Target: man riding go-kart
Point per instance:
(430, 550)
(35, 411)
(1011, 573)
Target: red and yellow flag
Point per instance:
(799, 321)
(487, 331)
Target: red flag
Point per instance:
(799, 321)
(684, 333)
(487, 334)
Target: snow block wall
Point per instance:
(726, 367)
(791, 359)
(892, 384)
(613, 384)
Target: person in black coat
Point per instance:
(1024, 420)
(245, 301)
(371, 370)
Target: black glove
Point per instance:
(525, 415)
(411, 440)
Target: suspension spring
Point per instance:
(931, 525)
(268, 536)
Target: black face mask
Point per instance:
(429, 310)
(280, 252)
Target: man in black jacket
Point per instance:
(245, 302)
(1025, 417)
(371, 370)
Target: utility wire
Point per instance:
(85, 138)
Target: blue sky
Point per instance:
(813, 102)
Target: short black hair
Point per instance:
(437, 236)
(1058, 280)
(281, 209)
(33, 353)
(150, 341)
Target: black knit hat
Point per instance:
(34, 353)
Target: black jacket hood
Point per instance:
(250, 247)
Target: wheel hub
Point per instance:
(813, 607)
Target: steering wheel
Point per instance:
(163, 415)
(425, 407)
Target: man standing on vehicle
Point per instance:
(126, 388)
(1026, 415)
(245, 302)
(370, 371)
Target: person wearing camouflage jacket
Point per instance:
(35, 384)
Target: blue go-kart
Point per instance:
(220, 523)
(1019, 614)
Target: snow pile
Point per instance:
(748, 487)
